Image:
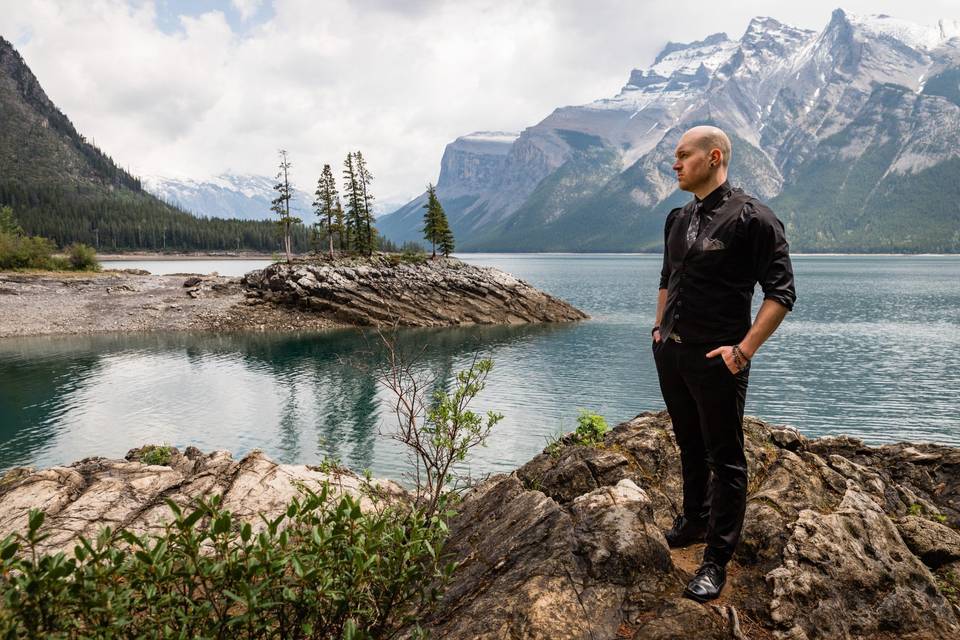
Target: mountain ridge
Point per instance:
(809, 111)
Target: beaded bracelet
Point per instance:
(739, 358)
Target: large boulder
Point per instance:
(570, 544)
(386, 290)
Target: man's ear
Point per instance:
(715, 157)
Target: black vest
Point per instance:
(710, 285)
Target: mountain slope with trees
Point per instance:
(64, 188)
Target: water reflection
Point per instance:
(299, 397)
(871, 350)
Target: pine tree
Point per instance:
(446, 234)
(327, 204)
(340, 226)
(354, 212)
(281, 204)
(8, 222)
(433, 219)
(364, 178)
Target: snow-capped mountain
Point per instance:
(225, 196)
(851, 133)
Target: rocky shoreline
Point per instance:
(386, 290)
(314, 295)
(842, 540)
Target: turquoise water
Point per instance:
(872, 350)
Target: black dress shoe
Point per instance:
(685, 532)
(707, 583)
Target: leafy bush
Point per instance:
(322, 569)
(158, 454)
(590, 431)
(590, 428)
(18, 251)
(82, 257)
(25, 252)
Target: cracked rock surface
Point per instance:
(841, 539)
(570, 545)
(82, 498)
(382, 290)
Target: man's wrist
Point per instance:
(655, 328)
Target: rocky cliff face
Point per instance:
(841, 540)
(848, 131)
(384, 290)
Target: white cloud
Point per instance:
(247, 8)
(396, 80)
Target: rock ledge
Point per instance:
(385, 290)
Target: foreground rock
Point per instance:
(385, 290)
(841, 540)
(82, 498)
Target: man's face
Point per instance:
(692, 164)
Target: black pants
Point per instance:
(705, 401)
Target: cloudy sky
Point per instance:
(195, 88)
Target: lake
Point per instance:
(871, 350)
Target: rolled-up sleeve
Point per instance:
(665, 269)
(771, 256)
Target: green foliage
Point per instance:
(590, 431)
(328, 209)
(18, 251)
(82, 257)
(26, 252)
(436, 228)
(124, 220)
(591, 428)
(159, 454)
(450, 430)
(916, 509)
(322, 569)
(359, 231)
(8, 223)
(281, 204)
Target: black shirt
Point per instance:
(710, 285)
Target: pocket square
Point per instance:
(712, 244)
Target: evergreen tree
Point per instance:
(446, 235)
(433, 219)
(8, 222)
(355, 211)
(327, 204)
(281, 204)
(364, 178)
(340, 225)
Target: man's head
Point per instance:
(702, 158)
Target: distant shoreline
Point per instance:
(160, 257)
(114, 257)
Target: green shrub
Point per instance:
(590, 428)
(82, 257)
(322, 569)
(23, 252)
(158, 454)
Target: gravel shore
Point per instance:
(49, 303)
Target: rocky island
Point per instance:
(319, 293)
(842, 539)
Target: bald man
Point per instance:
(716, 249)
